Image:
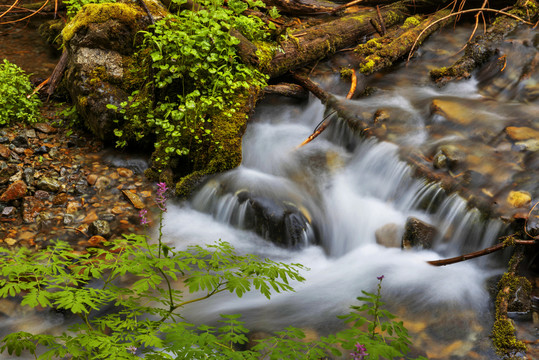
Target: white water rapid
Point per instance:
(346, 190)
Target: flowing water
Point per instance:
(341, 189)
(331, 196)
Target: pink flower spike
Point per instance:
(143, 219)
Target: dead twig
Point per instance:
(509, 242)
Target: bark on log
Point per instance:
(303, 7)
(484, 46)
(383, 52)
(314, 43)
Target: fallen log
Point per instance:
(511, 285)
(308, 45)
(381, 53)
(303, 7)
(480, 50)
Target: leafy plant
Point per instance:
(144, 317)
(196, 73)
(16, 104)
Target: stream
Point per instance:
(334, 194)
(347, 188)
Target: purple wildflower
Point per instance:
(131, 349)
(143, 218)
(380, 277)
(360, 352)
(161, 198)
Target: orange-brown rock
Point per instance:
(30, 208)
(4, 151)
(516, 133)
(14, 191)
(124, 172)
(60, 199)
(134, 198)
(96, 240)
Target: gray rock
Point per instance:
(68, 219)
(418, 234)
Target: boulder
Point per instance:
(389, 235)
(99, 41)
(418, 234)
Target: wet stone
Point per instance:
(102, 183)
(519, 198)
(30, 133)
(8, 211)
(418, 234)
(60, 199)
(4, 139)
(48, 184)
(20, 141)
(389, 235)
(68, 219)
(42, 150)
(44, 128)
(28, 174)
(4, 151)
(31, 208)
(107, 217)
(99, 227)
(14, 191)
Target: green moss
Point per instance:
(368, 67)
(346, 72)
(412, 21)
(100, 13)
(265, 53)
(503, 332)
(226, 151)
(504, 339)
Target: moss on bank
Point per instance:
(100, 13)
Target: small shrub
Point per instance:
(14, 103)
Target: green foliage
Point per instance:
(196, 76)
(145, 315)
(14, 103)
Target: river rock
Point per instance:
(48, 184)
(4, 151)
(389, 235)
(134, 199)
(60, 199)
(102, 183)
(448, 156)
(31, 208)
(44, 128)
(14, 191)
(20, 141)
(99, 227)
(519, 198)
(99, 42)
(521, 133)
(418, 234)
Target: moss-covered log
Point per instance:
(383, 52)
(483, 46)
(303, 7)
(305, 46)
(511, 286)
